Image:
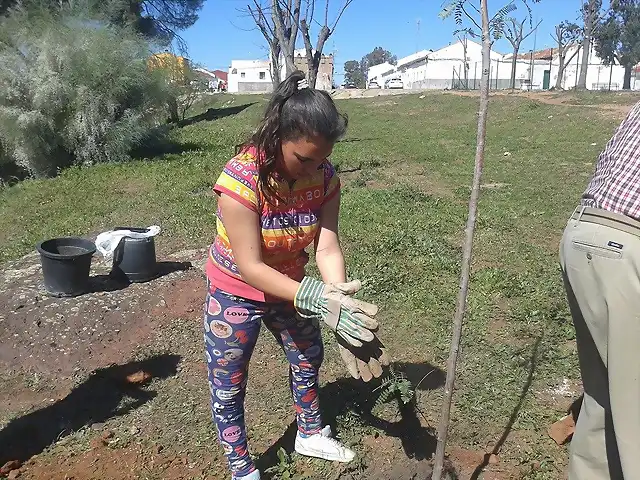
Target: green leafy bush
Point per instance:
(73, 91)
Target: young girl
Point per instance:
(275, 198)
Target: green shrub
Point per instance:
(73, 91)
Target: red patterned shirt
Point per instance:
(615, 185)
(286, 228)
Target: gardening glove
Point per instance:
(365, 362)
(349, 318)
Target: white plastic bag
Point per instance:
(107, 242)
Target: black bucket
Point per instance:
(134, 260)
(66, 263)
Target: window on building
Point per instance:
(234, 71)
(243, 74)
(263, 75)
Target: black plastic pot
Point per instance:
(66, 263)
(134, 260)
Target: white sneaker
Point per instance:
(255, 475)
(321, 445)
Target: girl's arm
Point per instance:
(244, 235)
(329, 256)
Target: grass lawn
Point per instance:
(403, 215)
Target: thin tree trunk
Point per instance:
(275, 68)
(465, 65)
(172, 104)
(443, 425)
(514, 64)
(563, 66)
(626, 85)
(586, 50)
(561, 56)
(313, 65)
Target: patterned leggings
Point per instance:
(232, 325)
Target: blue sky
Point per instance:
(223, 33)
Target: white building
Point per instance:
(249, 76)
(254, 76)
(380, 72)
(448, 68)
(438, 69)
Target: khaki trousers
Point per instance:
(600, 259)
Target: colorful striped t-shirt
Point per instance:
(287, 227)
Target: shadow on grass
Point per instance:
(118, 281)
(514, 414)
(213, 114)
(109, 392)
(347, 395)
(161, 145)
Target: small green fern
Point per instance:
(396, 385)
(285, 469)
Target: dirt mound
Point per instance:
(63, 336)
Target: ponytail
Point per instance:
(293, 112)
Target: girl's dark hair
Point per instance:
(292, 113)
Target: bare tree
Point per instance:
(262, 18)
(463, 41)
(285, 15)
(591, 17)
(567, 35)
(278, 21)
(514, 32)
(314, 57)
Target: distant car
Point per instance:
(395, 83)
(349, 85)
(374, 84)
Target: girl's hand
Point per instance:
(349, 318)
(364, 362)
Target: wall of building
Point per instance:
(380, 72)
(249, 76)
(324, 80)
(598, 75)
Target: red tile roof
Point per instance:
(220, 74)
(538, 55)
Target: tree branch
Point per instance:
(306, 38)
(261, 21)
(346, 4)
(326, 13)
(311, 5)
(567, 62)
(532, 30)
(558, 36)
(295, 23)
(471, 18)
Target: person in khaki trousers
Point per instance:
(600, 259)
